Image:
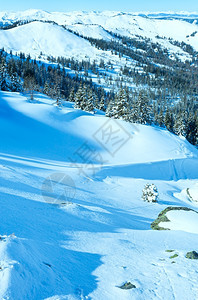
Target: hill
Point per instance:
(73, 224)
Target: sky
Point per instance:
(88, 5)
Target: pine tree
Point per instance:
(133, 117)
(3, 75)
(112, 108)
(168, 120)
(96, 101)
(102, 104)
(47, 89)
(30, 82)
(121, 108)
(160, 118)
(109, 109)
(72, 95)
(14, 83)
(89, 106)
(80, 98)
(141, 110)
(180, 127)
(192, 129)
(144, 111)
(150, 193)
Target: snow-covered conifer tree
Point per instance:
(71, 95)
(80, 98)
(102, 104)
(150, 193)
(89, 106)
(121, 109)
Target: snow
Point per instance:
(36, 37)
(50, 39)
(68, 125)
(181, 220)
(73, 224)
(86, 244)
(193, 191)
(93, 31)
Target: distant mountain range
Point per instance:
(118, 43)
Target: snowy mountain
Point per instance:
(78, 219)
(119, 45)
(95, 24)
(61, 237)
(39, 37)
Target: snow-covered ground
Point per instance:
(73, 225)
(182, 220)
(193, 193)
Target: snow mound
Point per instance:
(181, 220)
(193, 193)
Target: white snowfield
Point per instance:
(181, 220)
(73, 224)
(54, 40)
(193, 192)
(50, 39)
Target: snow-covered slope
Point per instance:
(100, 237)
(48, 38)
(73, 127)
(95, 24)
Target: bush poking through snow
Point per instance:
(155, 225)
(150, 193)
(127, 286)
(192, 255)
(174, 256)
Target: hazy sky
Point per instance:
(123, 5)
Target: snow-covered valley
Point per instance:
(73, 224)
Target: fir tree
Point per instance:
(47, 89)
(96, 101)
(72, 95)
(134, 112)
(121, 108)
(144, 110)
(192, 129)
(141, 110)
(150, 193)
(15, 84)
(89, 106)
(180, 127)
(30, 82)
(112, 108)
(80, 98)
(109, 109)
(168, 120)
(102, 104)
(160, 118)
(3, 75)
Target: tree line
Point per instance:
(140, 106)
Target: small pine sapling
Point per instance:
(150, 193)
